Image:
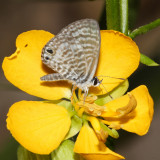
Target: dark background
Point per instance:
(19, 16)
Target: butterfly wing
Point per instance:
(74, 52)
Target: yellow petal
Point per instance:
(139, 120)
(38, 126)
(119, 58)
(24, 68)
(90, 148)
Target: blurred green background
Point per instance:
(18, 16)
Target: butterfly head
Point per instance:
(96, 82)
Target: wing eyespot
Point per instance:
(49, 51)
(47, 58)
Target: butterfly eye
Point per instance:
(50, 51)
(95, 81)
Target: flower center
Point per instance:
(94, 111)
(88, 106)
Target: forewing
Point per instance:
(74, 52)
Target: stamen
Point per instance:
(89, 99)
(91, 108)
(76, 107)
(80, 112)
(129, 107)
(99, 113)
(88, 106)
(115, 126)
(102, 135)
(94, 122)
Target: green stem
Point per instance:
(112, 15)
(145, 28)
(124, 16)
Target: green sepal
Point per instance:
(65, 152)
(76, 125)
(147, 61)
(66, 104)
(24, 154)
(111, 132)
(117, 92)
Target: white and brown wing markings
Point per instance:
(90, 40)
(84, 39)
(75, 51)
(61, 58)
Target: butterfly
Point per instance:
(73, 54)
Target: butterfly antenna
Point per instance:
(112, 77)
(107, 92)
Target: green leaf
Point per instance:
(76, 125)
(66, 104)
(24, 154)
(147, 61)
(117, 92)
(65, 152)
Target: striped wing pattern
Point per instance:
(74, 52)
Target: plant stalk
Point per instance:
(144, 29)
(112, 15)
(124, 16)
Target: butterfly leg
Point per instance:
(52, 77)
(85, 94)
(73, 91)
(74, 98)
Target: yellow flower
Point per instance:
(41, 126)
